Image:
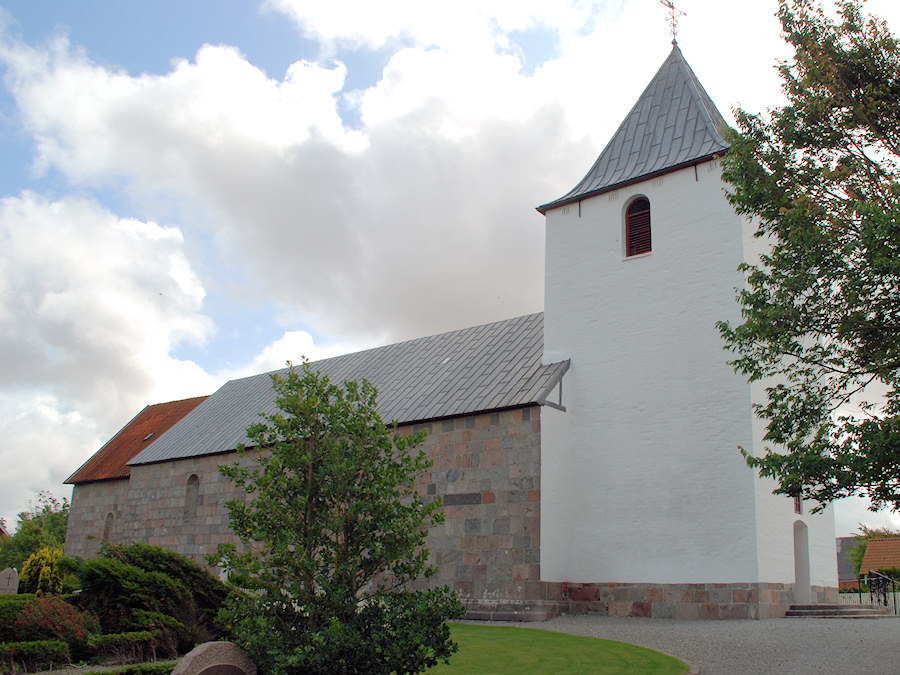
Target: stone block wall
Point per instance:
(94, 505)
(486, 470)
(164, 511)
(487, 473)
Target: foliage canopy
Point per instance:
(333, 533)
(43, 524)
(821, 309)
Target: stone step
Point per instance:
(540, 610)
(840, 611)
(506, 615)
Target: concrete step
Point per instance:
(840, 611)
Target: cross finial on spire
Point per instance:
(674, 13)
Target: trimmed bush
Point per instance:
(140, 669)
(33, 656)
(132, 647)
(50, 618)
(10, 608)
(207, 591)
(143, 620)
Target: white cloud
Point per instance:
(418, 221)
(463, 24)
(292, 346)
(851, 512)
(328, 223)
(91, 306)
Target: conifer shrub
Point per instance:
(207, 592)
(41, 572)
(139, 587)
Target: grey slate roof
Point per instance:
(673, 124)
(489, 367)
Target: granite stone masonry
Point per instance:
(487, 474)
(678, 601)
(486, 471)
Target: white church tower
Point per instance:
(647, 506)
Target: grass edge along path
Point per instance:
(502, 650)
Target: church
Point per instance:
(586, 456)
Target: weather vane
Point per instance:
(674, 13)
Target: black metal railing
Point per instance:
(876, 589)
(881, 587)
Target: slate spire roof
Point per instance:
(485, 368)
(673, 124)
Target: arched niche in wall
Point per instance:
(191, 497)
(107, 526)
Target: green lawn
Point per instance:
(496, 650)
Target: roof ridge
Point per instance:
(489, 367)
(396, 345)
(700, 92)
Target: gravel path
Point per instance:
(768, 647)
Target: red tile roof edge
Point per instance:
(111, 461)
(881, 554)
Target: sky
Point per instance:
(196, 191)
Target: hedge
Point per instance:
(132, 647)
(33, 656)
(10, 607)
(140, 669)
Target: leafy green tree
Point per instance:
(42, 524)
(821, 309)
(333, 533)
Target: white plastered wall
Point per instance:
(775, 513)
(641, 477)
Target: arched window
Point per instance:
(191, 497)
(637, 227)
(107, 526)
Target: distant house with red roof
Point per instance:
(881, 554)
(3, 532)
(100, 496)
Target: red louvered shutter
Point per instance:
(637, 228)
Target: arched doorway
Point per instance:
(802, 590)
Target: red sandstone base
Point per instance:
(657, 601)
